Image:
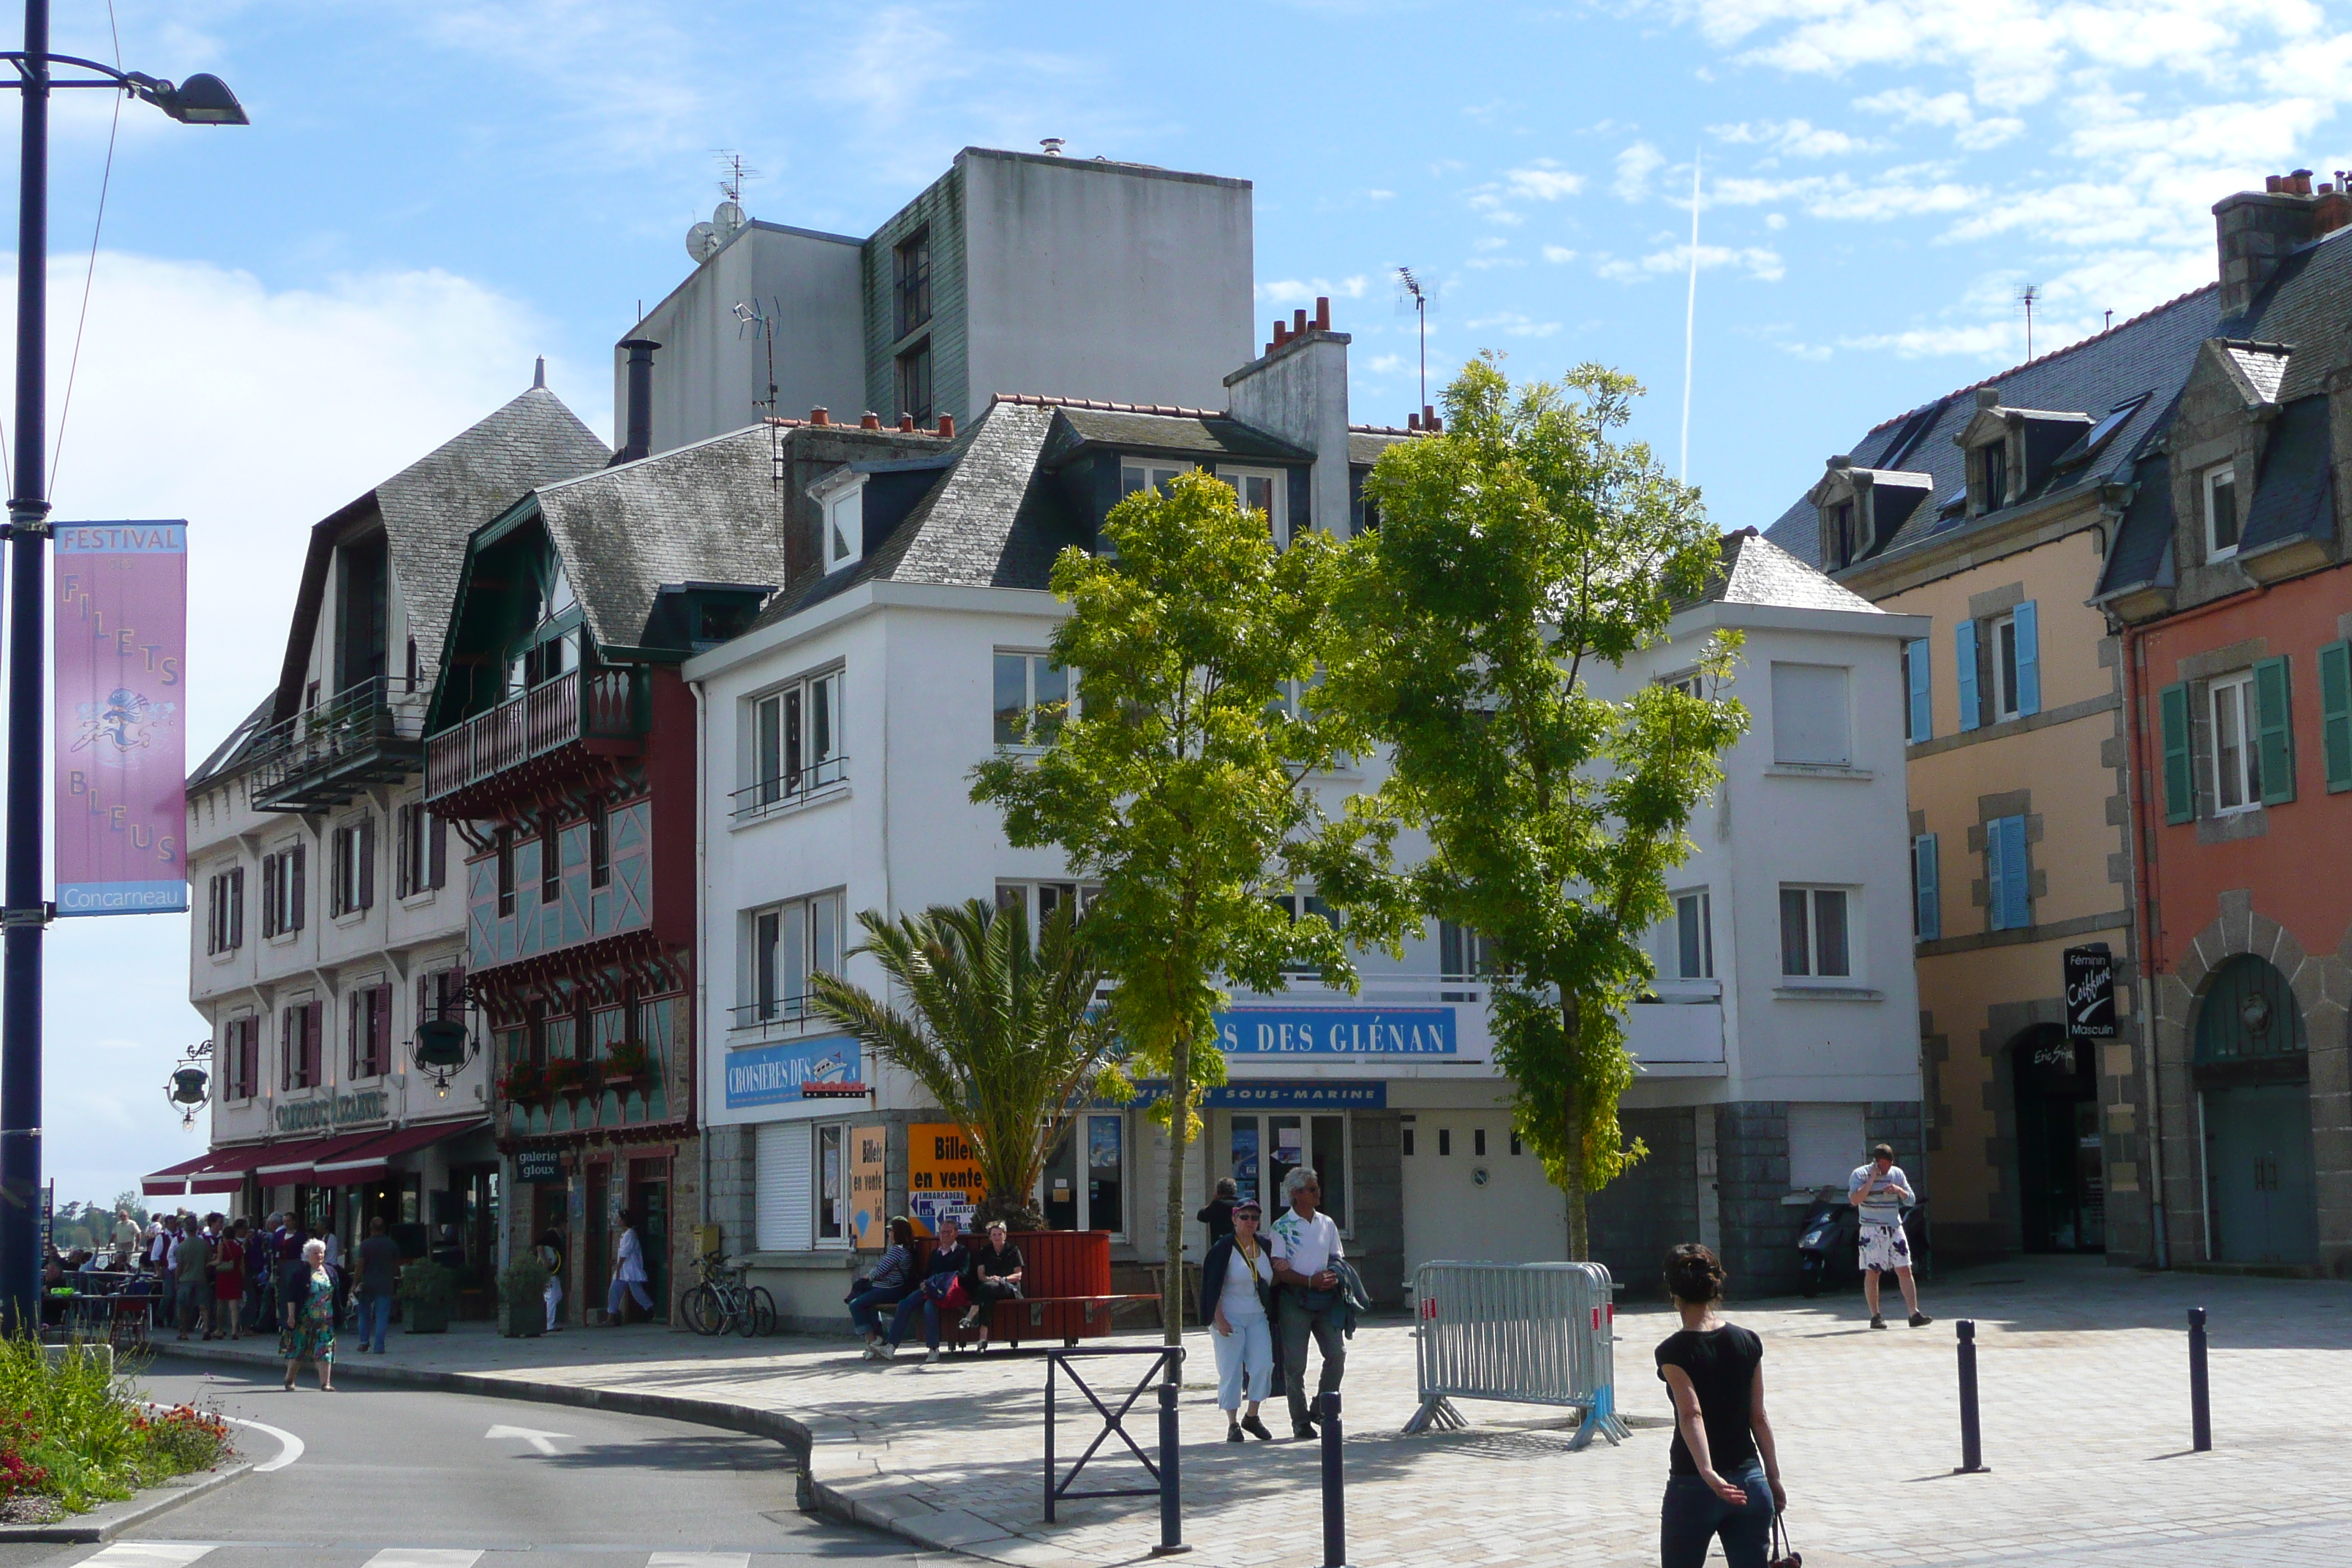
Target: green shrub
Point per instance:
(523, 1281)
(78, 1432)
(427, 1283)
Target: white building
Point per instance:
(329, 910)
(836, 740)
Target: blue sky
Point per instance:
(433, 192)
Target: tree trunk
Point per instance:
(1580, 1237)
(1180, 1126)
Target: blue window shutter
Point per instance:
(1922, 710)
(2029, 659)
(1964, 652)
(1930, 913)
(2275, 729)
(2179, 782)
(1996, 875)
(2005, 838)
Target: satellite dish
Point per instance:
(702, 242)
(726, 218)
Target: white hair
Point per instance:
(314, 1251)
(1298, 1180)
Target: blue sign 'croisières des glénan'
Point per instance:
(775, 1075)
(1336, 1032)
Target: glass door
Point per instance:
(1262, 1152)
(1094, 1198)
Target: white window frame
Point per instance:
(1040, 897)
(2001, 632)
(2216, 477)
(1277, 508)
(847, 1237)
(1034, 662)
(784, 944)
(2230, 702)
(1081, 1197)
(822, 766)
(1811, 974)
(840, 500)
(1152, 473)
(1704, 944)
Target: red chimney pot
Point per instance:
(1297, 321)
(947, 425)
(906, 422)
(1412, 421)
(1281, 334)
(1322, 312)
(870, 420)
(819, 416)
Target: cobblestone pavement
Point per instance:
(2086, 1416)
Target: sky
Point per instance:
(435, 193)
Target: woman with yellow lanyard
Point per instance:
(1237, 1277)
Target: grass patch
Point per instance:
(73, 1430)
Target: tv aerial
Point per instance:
(705, 240)
(2027, 298)
(1421, 293)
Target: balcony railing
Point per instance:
(577, 706)
(756, 800)
(369, 733)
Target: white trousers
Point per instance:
(555, 1297)
(1246, 1353)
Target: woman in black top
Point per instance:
(1725, 1476)
(994, 1275)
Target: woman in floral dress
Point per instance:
(308, 1292)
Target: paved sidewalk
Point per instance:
(2085, 1426)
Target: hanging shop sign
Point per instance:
(1244, 1032)
(943, 1177)
(2090, 993)
(533, 1166)
(120, 713)
(797, 1070)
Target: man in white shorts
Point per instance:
(1878, 1191)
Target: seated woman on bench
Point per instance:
(994, 1275)
(949, 1257)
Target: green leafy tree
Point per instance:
(1181, 783)
(1000, 1031)
(1517, 553)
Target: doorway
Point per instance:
(2060, 1173)
(595, 1249)
(2254, 1086)
(649, 1202)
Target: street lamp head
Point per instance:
(202, 99)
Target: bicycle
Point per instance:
(725, 1298)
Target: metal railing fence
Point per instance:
(1528, 1334)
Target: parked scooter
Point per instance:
(1828, 1244)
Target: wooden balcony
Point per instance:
(324, 756)
(587, 711)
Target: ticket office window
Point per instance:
(1262, 1152)
(1085, 1180)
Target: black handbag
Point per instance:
(1781, 1554)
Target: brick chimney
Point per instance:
(2255, 230)
(1299, 390)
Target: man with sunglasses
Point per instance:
(1305, 1243)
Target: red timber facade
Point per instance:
(2229, 578)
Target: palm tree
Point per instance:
(1004, 1034)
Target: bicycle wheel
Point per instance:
(747, 1312)
(765, 1306)
(701, 1309)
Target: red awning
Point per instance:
(374, 1157)
(280, 1163)
(172, 1181)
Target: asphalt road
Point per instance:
(403, 1479)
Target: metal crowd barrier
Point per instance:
(1529, 1334)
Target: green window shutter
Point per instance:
(2275, 729)
(2179, 782)
(2335, 714)
(1928, 915)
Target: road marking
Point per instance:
(542, 1441)
(289, 1447)
(699, 1559)
(422, 1557)
(145, 1554)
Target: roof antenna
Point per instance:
(750, 320)
(538, 376)
(1411, 287)
(2026, 297)
(1690, 317)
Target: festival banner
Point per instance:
(120, 717)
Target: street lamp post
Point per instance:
(25, 916)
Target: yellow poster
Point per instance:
(943, 1175)
(866, 1216)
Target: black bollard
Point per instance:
(2200, 1391)
(1335, 1488)
(1972, 1435)
(1171, 1495)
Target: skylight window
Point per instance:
(2100, 433)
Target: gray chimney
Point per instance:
(2255, 230)
(1299, 391)
(639, 414)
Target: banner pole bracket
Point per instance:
(36, 915)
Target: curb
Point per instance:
(105, 1524)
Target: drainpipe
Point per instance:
(701, 935)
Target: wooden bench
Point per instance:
(1066, 1293)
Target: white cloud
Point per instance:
(1674, 261)
(1557, 253)
(1382, 364)
(1489, 242)
(1793, 138)
(1303, 291)
(1951, 110)
(1511, 323)
(1542, 181)
(1635, 165)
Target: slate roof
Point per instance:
(1201, 436)
(230, 753)
(2142, 554)
(2263, 364)
(1755, 571)
(705, 514)
(2294, 497)
(430, 508)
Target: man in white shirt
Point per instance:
(1878, 1191)
(1305, 1243)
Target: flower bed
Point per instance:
(76, 1433)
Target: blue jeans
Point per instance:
(375, 1320)
(1694, 1515)
(862, 1307)
(921, 1301)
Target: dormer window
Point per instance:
(2220, 509)
(1845, 543)
(1995, 464)
(840, 498)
